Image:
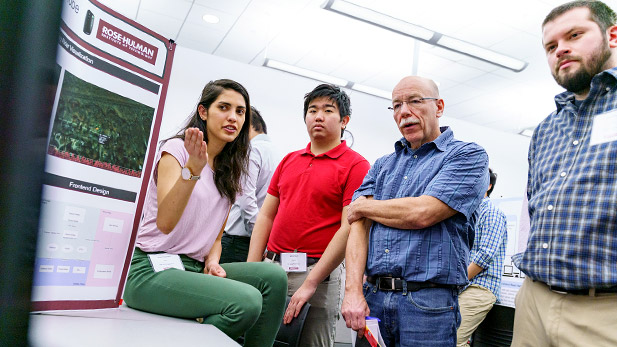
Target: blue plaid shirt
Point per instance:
(452, 171)
(489, 247)
(572, 193)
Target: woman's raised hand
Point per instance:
(197, 148)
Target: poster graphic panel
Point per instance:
(112, 81)
(97, 127)
(517, 222)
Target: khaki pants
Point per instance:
(320, 324)
(545, 318)
(474, 302)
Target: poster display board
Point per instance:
(112, 77)
(518, 230)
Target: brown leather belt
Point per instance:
(399, 284)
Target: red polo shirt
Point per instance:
(313, 189)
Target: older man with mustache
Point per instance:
(412, 226)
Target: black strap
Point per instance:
(399, 284)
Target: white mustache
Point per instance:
(408, 120)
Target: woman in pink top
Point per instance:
(175, 269)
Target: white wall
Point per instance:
(279, 96)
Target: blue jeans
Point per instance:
(427, 317)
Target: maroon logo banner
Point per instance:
(126, 42)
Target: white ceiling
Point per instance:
(300, 32)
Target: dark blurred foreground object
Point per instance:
(289, 334)
(496, 329)
(28, 43)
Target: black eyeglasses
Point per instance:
(413, 103)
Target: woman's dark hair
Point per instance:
(232, 162)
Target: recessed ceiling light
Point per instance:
(431, 37)
(210, 18)
(372, 90)
(304, 72)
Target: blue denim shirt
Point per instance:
(452, 171)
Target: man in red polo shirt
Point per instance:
(303, 221)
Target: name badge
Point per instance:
(293, 262)
(604, 128)
(164, 261)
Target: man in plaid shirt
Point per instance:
(569, 297)
(485, 267)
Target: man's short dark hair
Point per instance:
(600, 13)
(332, 92)
(492, 180)
(257, 122)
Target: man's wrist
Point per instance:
(312, 282)
(362, 206)
(353, 288)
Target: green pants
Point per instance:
(250, 301)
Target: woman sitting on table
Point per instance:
(194, 182)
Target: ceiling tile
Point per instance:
(200, 37)
(520, 45)
(428, 62)
(173, 9)
(166, 26)
(460, 93)
(195, 16)
(459, 73)
(242, 46)
(489, 82)
(233, 7)
(127, 8)
(386, 79)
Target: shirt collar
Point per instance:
(333, 153)
(261, 137)
(603, 78)
(440, 142)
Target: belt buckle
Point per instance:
(557, 291)
(561, 291)
(386, 280)
(273, 255)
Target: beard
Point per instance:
(580, 80)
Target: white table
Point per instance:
(120, 326)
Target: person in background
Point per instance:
(243, 214)
(303, 220)
(412, 226)
(175, 269)
(569, 296)
(486, 266)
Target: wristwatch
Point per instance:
(187, 175)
